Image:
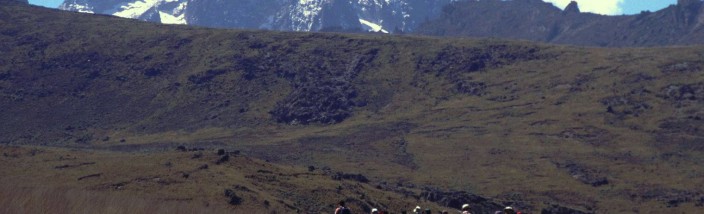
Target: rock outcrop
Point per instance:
(572, 8)
(456, 199)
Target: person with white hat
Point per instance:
(465, 209)
(509, 210)
(375, 211)
(417, 210)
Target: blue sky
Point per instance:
(610, 7)
(636, 6)
(47, 3)
(615, 7)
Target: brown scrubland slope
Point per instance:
(424, 120)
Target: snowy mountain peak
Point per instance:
(164, 11)
(287, 15)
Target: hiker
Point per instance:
(465, 209)
(341, 209)
(427, 211)
(510, 210)
(375, 211)
(417, 210)
(445, 212)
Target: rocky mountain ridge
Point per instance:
(286, 15)
(536, 20)
(21, 1)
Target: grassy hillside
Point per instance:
(41, 180)
(601, 130)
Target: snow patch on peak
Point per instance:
(171, 19)
(135, 9)
(176, 16)
(372, 26)
(305, 13)
(77, 8)
(181, 7)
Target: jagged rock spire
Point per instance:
(687, 2)
(21, 1)
(573, 7)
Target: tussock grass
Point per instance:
(17, 199)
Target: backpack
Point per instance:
(345, 210)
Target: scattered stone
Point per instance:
(320, 94)
(221, 152)
(355, 177)
(452, 59)
(327, 102)
(584, 174)
(588, 135)
(669, 197)
(681, 67)
(556, 209)
(241, 188)
(196, 149)
(223, 159)
(233, 198)
(471, 88)
(683, 94)
(72, 166)
(453, 62)
(504, 98)
(181, 148)
(90, 176)
(456, 199)
(197, 155)
(204, 166)
(118, 186)
(636, 78)
(206, 77)
(627, 105)
(692, 127)
(515, 199)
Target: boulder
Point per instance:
(355, 177)
(456, 199)
(556, 209)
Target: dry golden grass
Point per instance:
(14, 199)
(154, 183)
